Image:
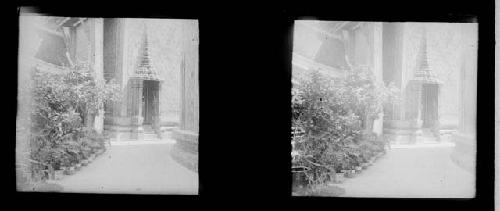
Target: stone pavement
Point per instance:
(135, 169)
(413, 172)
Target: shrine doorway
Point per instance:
(150, 102)
(429, 105)
(429, 110)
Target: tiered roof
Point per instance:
(145, 69)
(424, 73)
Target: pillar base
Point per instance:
(185, 151)
(137, 133)
(464, 153)
(402, 131)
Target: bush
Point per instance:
(333, 115)
(62, 101)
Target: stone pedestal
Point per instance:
(401, 131)
(137, 132)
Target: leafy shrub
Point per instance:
(333, 115)
(62, 101)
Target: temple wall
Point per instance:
(364, 45)
(190, 89)
(306, 41)
(83, 36)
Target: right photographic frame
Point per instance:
(384, 109)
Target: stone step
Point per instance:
(149, 136)
(142, 142)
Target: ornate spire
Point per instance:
(423, 73)
(145, 69)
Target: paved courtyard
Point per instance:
(413, 172)
(136, 169)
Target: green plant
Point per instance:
(333, 113)
(321, 111)
(63, 102)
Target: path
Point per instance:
(138, 169)
(418, 172)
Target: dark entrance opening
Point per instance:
(429, 110)
(150, 102)
(429, 105)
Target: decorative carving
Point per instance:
(145, 69)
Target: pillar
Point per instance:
(135, 108)
(396, 127)
(185, 151)
(97, 35)
(377, 64)
(464, 153)
(157, 106)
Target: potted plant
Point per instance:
(371, 161)
(58, 174)
(350, 173)
(100, 151)
(70, 170)
(299, 179)
(92, 157)
(78, 166)
(339, 176)
(58, 169)
(365, 165)
(358, 169)
(37, 176)
(49, 172)
(85, 158)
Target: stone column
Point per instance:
(376, 62)
(97, 31)
(185, 150)
(397, 127)
(156, 116)
(135, 108)
(464, 153)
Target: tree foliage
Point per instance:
(329, 118)
(61, 103)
